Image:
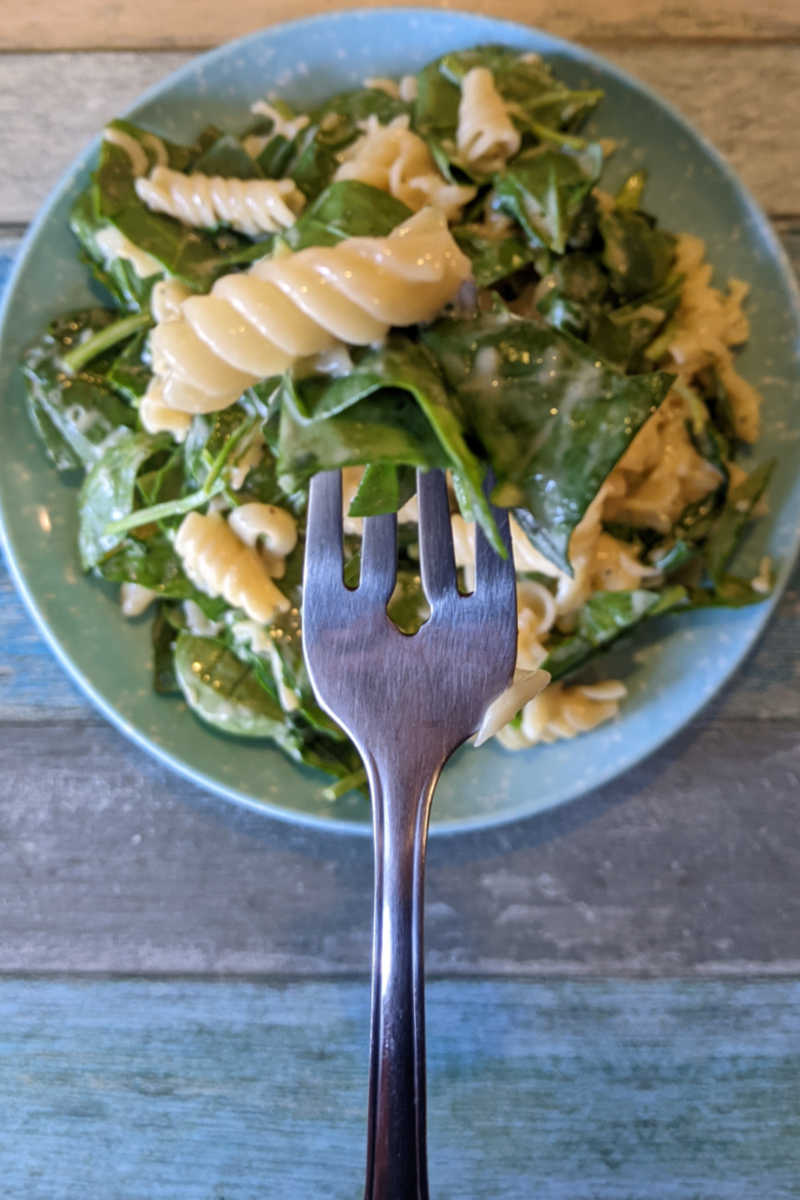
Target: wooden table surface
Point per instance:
(614, 986)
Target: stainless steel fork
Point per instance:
(407, 703)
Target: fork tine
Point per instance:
(437, 563)
(379, 557)
(494, 576)
(323, 565)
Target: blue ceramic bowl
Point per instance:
(687, 658)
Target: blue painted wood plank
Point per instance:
(554, 1090)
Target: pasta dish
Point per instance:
(424, 272)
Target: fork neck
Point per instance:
(396, 1138)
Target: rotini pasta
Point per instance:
(705, 327)
(257, 323)
(219, 563)
(485, 136)
(661, 472)
(250, 206)
(563, 712)
(402, 89)
(135, 148)
(135, 599)
(158, 417)
(273, 529)
(396, 160)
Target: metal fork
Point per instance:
(407, 703)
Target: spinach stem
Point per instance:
(76, 358)
(219, 462)
(546, 134)
(347, 783)
(157, 512)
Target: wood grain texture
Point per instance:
(687, 864)
(748, 106)
(57, 24)
(562, 1091)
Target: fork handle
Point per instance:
(396, 1140)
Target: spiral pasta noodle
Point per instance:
(485, 135)
(256, 324)
(395, 159)
(220, 564)
(272, 528)
(250, 206)
(560, 712)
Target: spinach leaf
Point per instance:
(228, 159)
(147, 557)
(729, 526)
(224, 691)
(384, 488)
(638, 255)
(227, 694)
(605, 617)
(575, 291)
(545, 191)
(622, 334)
(398, 366)
(383, 426)
(74, 414)
(130, 371)
(162, 637)
(109, 489)
(407, 607)
(117, 276)
(553, 419)
(492, 258)
(729, 591)
(348, 208)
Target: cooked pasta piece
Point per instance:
(661, 472)
(166, 299)
(282, 126)
(114, 244)
(706, 325)
(523, 688)
(220, 564)
(135, 148)
(257, 323)
(198, 623)
(273, 529)
(135, 599)
(485, 135)
(250, 206)
(563, 712)
(402, 89)
(395, 159)
(158, 417)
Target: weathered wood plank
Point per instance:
(591, 1091)
(745, 99)
(687, 864)
(55, 24)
